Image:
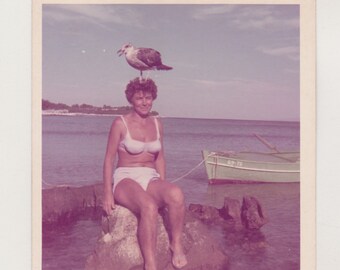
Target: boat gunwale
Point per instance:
(217, 155)
(211, 161)
(222, 181)
(252, 169)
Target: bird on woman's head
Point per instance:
(142, 58)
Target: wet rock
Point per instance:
(232, 216)
(118, 243)
(231, 210)
(252, 214)
(249, 241)
(118, 247)
(208, 214)
(62, 205)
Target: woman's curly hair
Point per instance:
(137, 84)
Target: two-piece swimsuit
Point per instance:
(142, 175)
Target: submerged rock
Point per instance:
(240, 224)
(232, 216)
(118, 247)
(231, 210)
(252, 214)
(62, 205)
(209, 214)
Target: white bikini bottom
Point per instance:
(142, 175)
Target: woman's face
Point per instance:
(142, 102)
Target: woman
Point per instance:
(139, 179)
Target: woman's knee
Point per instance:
(149, 208)
(175, 195)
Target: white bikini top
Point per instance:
(135, 147)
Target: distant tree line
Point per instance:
(86, 108)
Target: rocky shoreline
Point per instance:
(64, 205)
(118, 248)
(50, 108)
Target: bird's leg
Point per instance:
(141, 77)
(147, 75)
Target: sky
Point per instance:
(229, 61)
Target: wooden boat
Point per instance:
(252, 167)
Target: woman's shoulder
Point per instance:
(157, 117)
(158, 120)
(117, 122)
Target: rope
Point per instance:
(194, 168)
(172, 181)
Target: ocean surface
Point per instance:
(73, 149)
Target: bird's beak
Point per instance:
(120, 52)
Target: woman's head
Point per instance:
(137, 85)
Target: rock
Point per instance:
(249, 241)
(118, 247)
(239, 233)
(252, 215)
(62, 205)
(231, 210)
(232, 217)
(208, 214)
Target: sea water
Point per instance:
(73, 149)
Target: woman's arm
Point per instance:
(160, 160)
(111, 150)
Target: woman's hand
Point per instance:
(111, 150)
(108, 203)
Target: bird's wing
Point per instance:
(149, 56)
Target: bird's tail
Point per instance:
(163, 67)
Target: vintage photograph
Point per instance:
(171, 136)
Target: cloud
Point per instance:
(102, 15)
(264, 17)
(206, 12)
(230, 82)
(291, 52)
(251, 17)
(213, 84)
(295, 71)
(252, 23)
(239, 85)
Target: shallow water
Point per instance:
(68, 246)
(73, 150)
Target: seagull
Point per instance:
(142, 58)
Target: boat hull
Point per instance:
(251, 168)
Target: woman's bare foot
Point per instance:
(179, 260)
(150, 267)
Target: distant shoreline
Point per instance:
(51, 108)
(66, 113)
(61, 113)
(61, 109)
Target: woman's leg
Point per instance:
(131, 195)
(168, 194)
